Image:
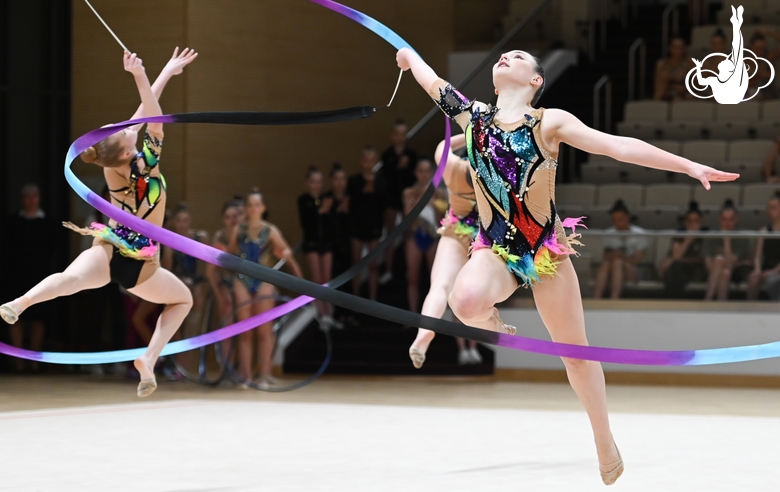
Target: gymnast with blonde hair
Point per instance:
(119, 253)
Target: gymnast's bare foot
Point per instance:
(148, 382)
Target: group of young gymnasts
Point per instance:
(501, 230)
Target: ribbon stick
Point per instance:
(109, 29)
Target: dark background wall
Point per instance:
(34, 100)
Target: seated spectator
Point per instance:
(670, 73)
(727, 258)
(718, 44)
(766, 272)
(685, 262)
(622, 254)
(770, 170)
(762, 77)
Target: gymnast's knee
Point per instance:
(467, 304)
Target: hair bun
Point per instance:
(89, 156)
(693, 207)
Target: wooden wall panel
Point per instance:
(258, 55)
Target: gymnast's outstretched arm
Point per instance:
(560, 126)
(175, 66)
(149, 103)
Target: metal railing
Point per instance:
(607, 85)
(490, 58)
(641, 46)
(671, 13)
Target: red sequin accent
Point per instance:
(525, 223)
(140, 191)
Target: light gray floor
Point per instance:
(202, 445)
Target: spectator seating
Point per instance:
(740, 156)
(692, 120)
(659, 206)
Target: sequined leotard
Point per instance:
(145, 189)
(461, 221)
(255, 250)
(515, 178)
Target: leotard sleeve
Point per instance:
(152, 148)
(452, 103)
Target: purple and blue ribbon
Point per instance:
(212, 255)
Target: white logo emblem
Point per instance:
(730, 83)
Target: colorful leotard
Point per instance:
(255, 250)
(461, 221)
(143, 188)
(515, 175)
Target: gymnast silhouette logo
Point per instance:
(735, 70)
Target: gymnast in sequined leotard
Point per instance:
(119, 253)
(257, 241)
(512, 149)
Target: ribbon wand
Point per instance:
(106, 25)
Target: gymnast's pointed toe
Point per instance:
(8, 314)
(146, 387)
(417, 357)
(615, 470)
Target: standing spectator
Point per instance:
(338, 220)
(622, 254)
(367, 195)
(220, 279)
(191, 272)
(257, 241)
(727, 258)
(422, 238)
(685, 262)
(670, 73)
(313, 210)
(28, 239)
(339, 230)
(398, 164)
(766, 270)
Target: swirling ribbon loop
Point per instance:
(311, 290)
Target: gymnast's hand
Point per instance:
(133, 64)
(178, 61)
(705, 174)
(402, 58)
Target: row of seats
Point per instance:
(666, 218)
(661, 206)
(688, 120)
(588, 196)
(740, 156)
(756, 11)
(699, 46)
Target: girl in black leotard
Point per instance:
(313, 211)
(366, 203)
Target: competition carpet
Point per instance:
(207, 445)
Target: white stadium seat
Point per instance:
(667, 195)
